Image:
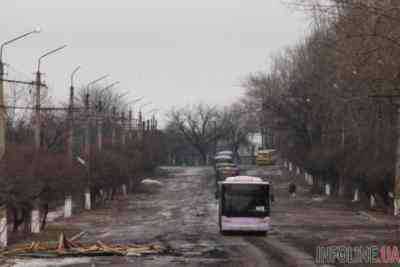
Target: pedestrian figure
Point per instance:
(292, 189)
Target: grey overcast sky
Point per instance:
(172, 52)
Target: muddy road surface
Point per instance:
(181, 214)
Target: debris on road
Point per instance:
(71, 248)
(78, 236)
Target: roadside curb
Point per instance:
(286, 253)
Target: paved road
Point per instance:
(182, 215)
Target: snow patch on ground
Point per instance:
(50, 263)
(151, 182)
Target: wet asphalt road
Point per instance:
(182, 214)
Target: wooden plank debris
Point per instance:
(71, 248)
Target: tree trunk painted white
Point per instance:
(298, 170)
(372, 201)
(88, 204)
(285, 164)
(327, 189)
(310, 179)
(3, 229)
(290, 166)
(124, 191)
(102, 196)
(356, 197)
(68, 206)
(35, 221)
(396, 205)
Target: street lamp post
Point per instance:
(37, 97)
(144, 105)
(71, 116)
(100, 116)
(87, 110)
(215, 138)
(88, 203)
(35, 213)
(133, 102)
(109, 86)
(2, 104)
(141, 117)
(152, 111)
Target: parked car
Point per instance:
(224, 167)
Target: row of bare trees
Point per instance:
(110, 147)
(201, 129)
(331, 99)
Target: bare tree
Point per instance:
(201, 126)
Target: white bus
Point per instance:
(244, 205)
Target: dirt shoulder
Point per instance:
(307, 222)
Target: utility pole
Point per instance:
(2, 113)
(38, 84)
(70, 142)
(148, 125)
(140, 124)
(130, 123)
(215, 138)
(87, 128)
(123, 134)
(70, 139)
(88, 205)
(3, 210)
(113, 126)
(37, 112)
(100, 126)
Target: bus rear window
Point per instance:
(245, 200)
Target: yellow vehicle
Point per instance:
(264, 157)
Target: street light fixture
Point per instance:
(2, 108)
(154, 110)
(144, 105)
(135, 100)
(71, 116)
(90, 84)
(96, 81)
(73, 75)
(48, 54)
(36, 30)
(109, 86)
(37, 97)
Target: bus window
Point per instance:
(245, 200)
